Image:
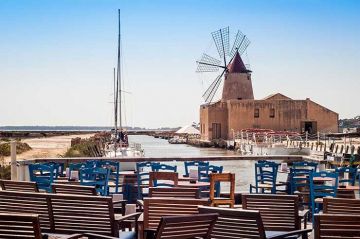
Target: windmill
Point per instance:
(208, 63)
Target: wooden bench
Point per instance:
(333, 226)
(24, 226)
(20, 186)
(193, 226)
(73, 189)
(278, 212)
(174, 192)
(341, 206)
(66, 214)
(234, 223)
(155, 208)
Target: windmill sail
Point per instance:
(208, 64)
(222, 42)
(240, 44)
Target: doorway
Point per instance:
(309, 126)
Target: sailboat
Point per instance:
(119, 145)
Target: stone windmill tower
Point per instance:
(236, 76)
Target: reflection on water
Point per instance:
(244, 169)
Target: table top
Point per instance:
(350, 188)
(193, 185)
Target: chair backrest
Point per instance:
(319, 190)
(19, 226)
(174, 192)
(80, 214)
(163, 167)
(204, 171)
(73, 189)
(234, 223)
(58, 168)
(266, 173)
(42, 174)
(155, 208)
(341, 206)
(76, 167)
(145, 166)
(299, 179)
(19, 186)
(305, 165)
(98, 177)
(352, 173)
(189, 164)
(29, 203)
(191, 226)
(114, 168)
(167, 176)
(64, 213)
(278, 212)
(215, 180)
(330, 226)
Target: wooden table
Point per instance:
(187, 184)
(350, 188)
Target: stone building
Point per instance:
(238, 110)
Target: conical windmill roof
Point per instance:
(237, 65)
(188, 130)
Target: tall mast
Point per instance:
(119, 75)
(115, 101)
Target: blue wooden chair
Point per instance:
(142, 171)
(305, 165)
(76, 167)
(188, 165)
(43, 175)
(58, 168)
(203, 176)
(265, 178)
(114, 168)
(318, 190)
(163, 167)
(352, 174)
(92, 163)
(98, 177)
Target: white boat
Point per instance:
(118, 148)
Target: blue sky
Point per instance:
(56, 57)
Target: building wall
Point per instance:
(237, 86)
(327, 120)
(214, 113)
(287, 114)
(235, 115)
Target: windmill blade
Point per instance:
(210, 92)
(222, 42)
(240, 44)
(208, 64)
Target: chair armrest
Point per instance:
(302, 232)
(73, 236)
(97, 236)
(119, 201)
(304, 214)
(121, 218)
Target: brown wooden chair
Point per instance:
(155, 208)
(333, 226)
(344, 193)
(166, 176)
(73, 189)
(279, 212)
(218, 178)
(238, 224)
(184, 227)
(341, 206)
(11, 223)
(20, 186)
(23, 226)
(68, 214)
(174, 192)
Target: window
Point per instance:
(256, 113)
(272, 113)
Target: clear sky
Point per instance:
(56, 57)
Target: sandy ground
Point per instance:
(48, 147)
